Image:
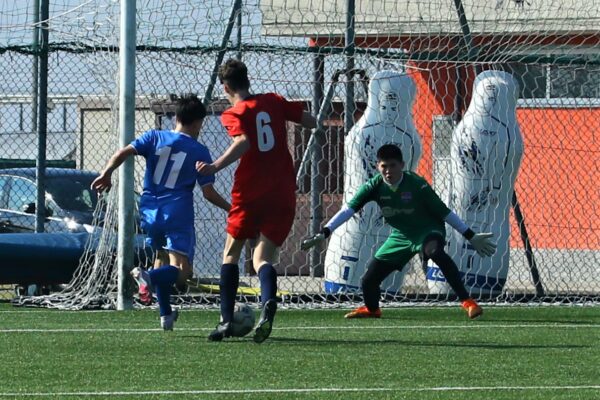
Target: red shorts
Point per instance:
(272, 216)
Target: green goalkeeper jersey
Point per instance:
(412, 208)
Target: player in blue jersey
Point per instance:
(166, 204)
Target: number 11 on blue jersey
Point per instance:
(164, 154)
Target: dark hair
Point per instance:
(389, 152)
(235, 74)
(189, 108)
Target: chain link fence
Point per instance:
(297, 48)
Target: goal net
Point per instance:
(496, 104)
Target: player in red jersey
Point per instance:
(264, 189)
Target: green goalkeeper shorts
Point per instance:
(398, 250)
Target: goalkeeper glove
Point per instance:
(316, 239)
(483, 244)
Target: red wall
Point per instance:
(559, 180)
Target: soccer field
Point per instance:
(411, 353)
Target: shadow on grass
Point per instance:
(488, 318)
(480, 345)
(542, 321)
(203, 338)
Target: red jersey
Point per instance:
(267, 166)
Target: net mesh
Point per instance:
(296, 48)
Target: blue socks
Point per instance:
(162, 280)
(268, 283)
(230, 279)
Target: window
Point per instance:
(550, 81)
(22, 193)
(577, 81)
(72, 193)
(531, 79)
(3, 190)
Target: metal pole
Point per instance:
(239, 35)
(323, 113)
(535, 273)
(125, 241)
(317, 181)
(349, 52)
(458, 94)
(235, 9)
(35, 48)
(42, 125)
(472, 53)
(466, 31)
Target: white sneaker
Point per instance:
(142, 277)
(167, 322)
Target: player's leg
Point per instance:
(230, 275)
(163, 279)
(154, 239)
(277, 216)
(228, 285)
(179, 245)
(263, 258)
(142, 277)
(433, 248)
(162, 258)
(240, 226)
(391, 256)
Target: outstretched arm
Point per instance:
(102, 182)
(482, 242)
(362, 197)
(338, 219)
(240, 145)
(210, 194)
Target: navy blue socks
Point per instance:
(268, 282)
(230, 279)
(162, 280)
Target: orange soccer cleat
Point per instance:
(472, 308)
(363, 312)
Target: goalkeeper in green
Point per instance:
(417, 217)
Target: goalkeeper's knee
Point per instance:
(433, 247)
(377, 271)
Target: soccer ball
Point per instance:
(243, 320)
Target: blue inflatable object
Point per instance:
(46, 258)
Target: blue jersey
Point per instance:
(171, 163)
(166, 205)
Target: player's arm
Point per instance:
(293, 111)
(335, 222)
(362, 197)
(212, 196)
(481, 242)
(240, 145)
(102, 182)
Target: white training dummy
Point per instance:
(486, 152)
(387, 119)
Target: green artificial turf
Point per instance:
(411, 353)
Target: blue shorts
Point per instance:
(169, 226)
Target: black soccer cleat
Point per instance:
(222, 331)
(265, 323)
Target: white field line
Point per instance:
(295, 328)
(437, 306)
(302, 390)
